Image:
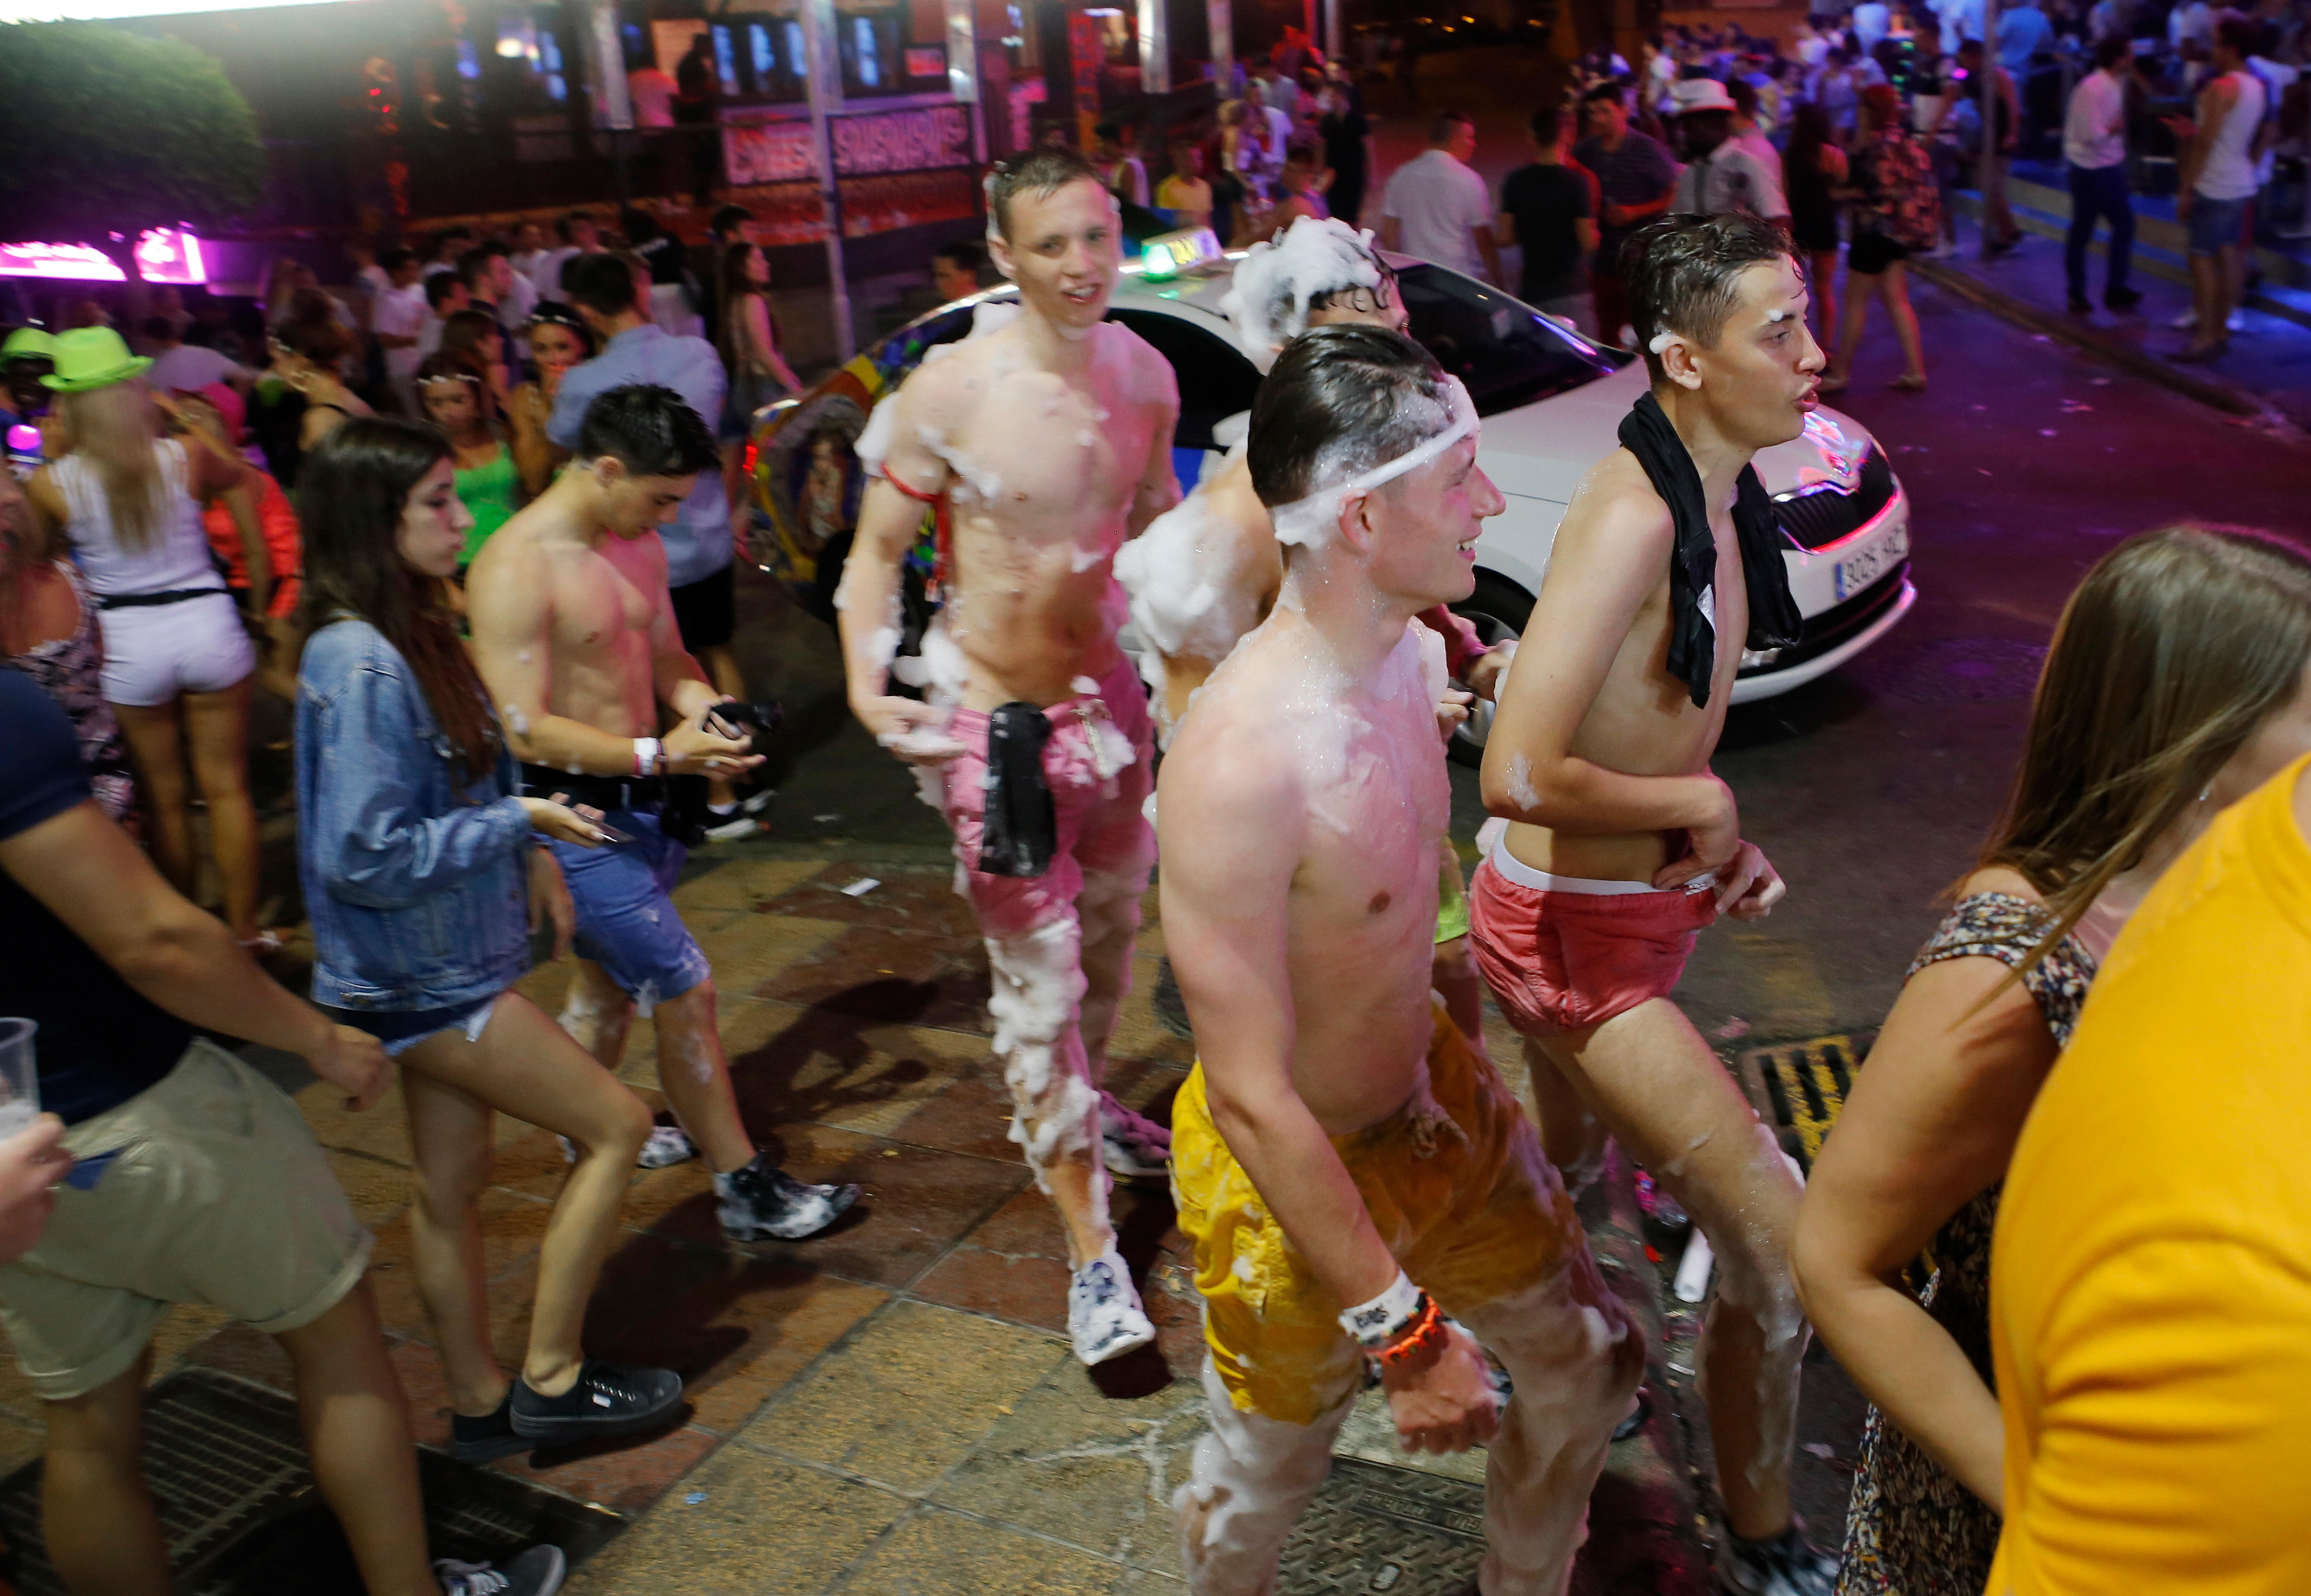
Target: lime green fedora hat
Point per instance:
(91, 357)
(29, 343)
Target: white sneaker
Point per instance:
(1105, 1318)
(1133, 1145)
(739, 826)
(2186, 320)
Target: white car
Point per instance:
(1552, 404)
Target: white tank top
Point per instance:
(179, 555)
(2229, 169)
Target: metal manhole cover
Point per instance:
(226, 1463)
(1954, 671)
(1376, 1529)
(1808, 1082)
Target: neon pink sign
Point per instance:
(163, 254)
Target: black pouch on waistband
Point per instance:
(1022, 829)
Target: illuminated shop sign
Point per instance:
(162, 255)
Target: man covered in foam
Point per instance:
(1348, 1165)
(1207, 572)
(1622, 847)
(1040, 446)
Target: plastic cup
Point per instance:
(20, 1080)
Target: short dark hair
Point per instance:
(1042, 171)
(1547, 126)
(1341, 399)
(651, 431)
(441, 285)
(1447, 126)
(1744, 95)
(730, 217)
(562, 224)
(602, 284)
(1107, 130)
(638, 224)
(1600, 93)
(2240, 33)
(1682, 270)
(394, 256)
(2111, 50)
(964, 255)
(160, 329)
(476, 266)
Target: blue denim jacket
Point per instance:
(417, 885)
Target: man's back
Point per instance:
(1548, 200)
(2153, 1257)
(1440, 203)
(698, 541)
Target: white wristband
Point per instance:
(1376, 1322)
(647, 756)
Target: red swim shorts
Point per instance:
(1558, 960)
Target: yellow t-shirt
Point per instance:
(2151, 1282)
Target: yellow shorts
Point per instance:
(220, 1195)
(1452, 898)
(1456, 1183)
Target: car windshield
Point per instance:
(1507, 353)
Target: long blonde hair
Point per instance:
(112, 427)
(2176, 648)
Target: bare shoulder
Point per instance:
(1616, 508)
(1151, 378)
(2000, 878)
(1227, 761)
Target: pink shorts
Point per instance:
(1559, 960)
(1098, 765)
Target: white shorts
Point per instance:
(155, 652)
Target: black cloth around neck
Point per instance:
(1773, 618)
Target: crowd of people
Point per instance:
(515, 711)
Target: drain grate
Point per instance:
(1377, 1529)
(227, 1467)
(1808, 1082)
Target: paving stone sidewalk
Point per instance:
(892, 1409)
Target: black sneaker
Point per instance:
(2120, 298)
(492, 1435)
(606, 1399)
(762, 1202)
(2080, 305)
(537, 1572)
(1788, 1564)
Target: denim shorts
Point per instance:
(626, 921)
(401, 1029)
(2216, 224)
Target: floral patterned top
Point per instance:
(1912, 1528)
(67, 670)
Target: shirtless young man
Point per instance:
(1349, 1164)
(1621, 846)
(1208, 570)
(1043, 446)
(575, 638)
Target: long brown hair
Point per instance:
(735, 286)
(112, 427)
(2176, 648)
(352, 491)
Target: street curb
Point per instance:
(2228, 398)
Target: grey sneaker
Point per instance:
(1788, 1564)
(763, 1201)
(667, 1144)
(1105, 1318)
(537, 1572)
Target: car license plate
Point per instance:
(1866, 564)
